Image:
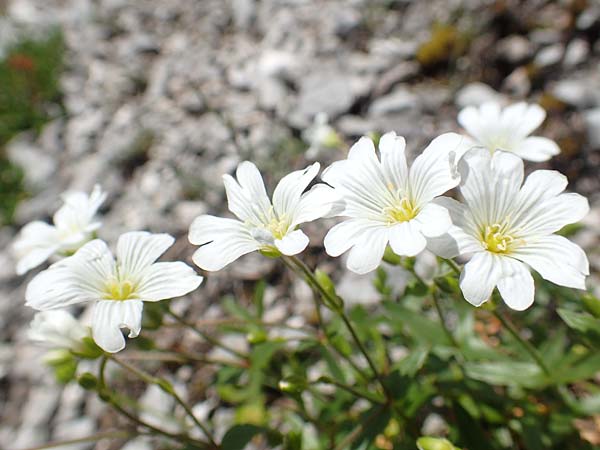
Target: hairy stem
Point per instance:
(206, 336)
(150, 379)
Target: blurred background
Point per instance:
(156, 99)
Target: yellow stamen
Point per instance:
(119, 290)
(401, 211)
(498, 238)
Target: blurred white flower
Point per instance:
(504, 225)
(320, 136)
(388, 202)
(261, 225)
(74, 225)
(509, 129)
(57, 329)
(117, 288)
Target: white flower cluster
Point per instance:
(506, 224)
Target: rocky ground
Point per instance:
(163, 97)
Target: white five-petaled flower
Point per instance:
(262, 225)
(508, 225)
(508, 129)
(57, 329)
(74, 225)
(386, 201)
(118, 287)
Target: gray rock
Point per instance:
(399, 100)
(592, 122)
(474, 94)
(518, 83)
(549, 56)
(514, 49)
(576, 53)
(573, 92)
(327, 90)
(38, 166)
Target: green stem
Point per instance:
(91, 438)
(438, 307)
(110, 398)
(353, 391)
(455, 267)
(525, 344)
(314, 283)
(150, 379)
(206, 336)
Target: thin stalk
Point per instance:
(90, 438)
(353, 391)
(117, 407)
(167, 356)
(206, 336)
(150, 379)
(313, 282)
(455, 267)
(525, 344)
(348, 440)
(438, 307)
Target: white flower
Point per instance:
(117, 288)
(508, 129)
(388, 202)
(508, 227)
(74, 225)
(261, 225)
(320, 136)
(57, 329)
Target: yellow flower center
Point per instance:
(278, 226)
(119, 290)
(496, 238)
(402, 210)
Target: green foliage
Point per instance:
(29, 75)
(29, 84)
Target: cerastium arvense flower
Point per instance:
(374, 375)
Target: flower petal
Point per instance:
(320, 201)
(110, 316)
(557, 260)
(345, 234)
(251, 181)
(490, 184)
(406, 238)
(367, 252)
(552, 214)
(516, 284)
(164, 280)
(222, 241)
(76, 279)
(479, 277)
(434, 220)
(393, 159)
(536, 148)
(433, 171)
(521, 118)
(79, 210)
(460, 239)
(36, 242)
(292, 243)
(137, 250)
(288, 191)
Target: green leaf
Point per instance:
(433, 443)
(507, 373)
(412, 363)
(585, 368)
(582, 322)
(417, 325)
(238, 436)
